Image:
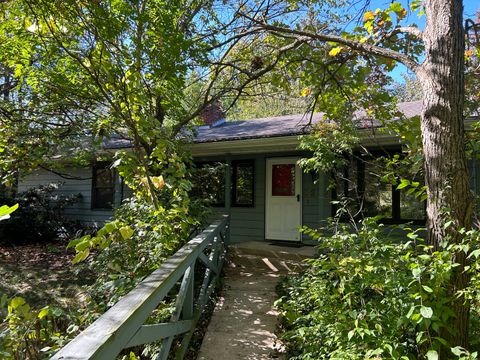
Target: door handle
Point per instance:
(298, 197)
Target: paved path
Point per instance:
(244, 321)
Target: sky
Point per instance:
(470, 9)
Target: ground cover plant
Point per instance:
(370, 295)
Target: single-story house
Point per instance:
(265, 192)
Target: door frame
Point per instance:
(268, 179)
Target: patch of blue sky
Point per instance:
(469, 12)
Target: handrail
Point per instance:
(122, 326)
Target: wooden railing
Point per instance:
(122, 326)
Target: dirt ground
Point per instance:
(41, 273)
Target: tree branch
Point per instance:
(412, 30)
(239, 89)
(352, 44)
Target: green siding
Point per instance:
(83, 185)
(248, 223)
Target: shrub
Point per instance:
(26, 333)
(39, 217)
(371, 296)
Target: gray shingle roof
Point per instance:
(286, 125)
(282, 125)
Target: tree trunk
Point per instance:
(442, 78)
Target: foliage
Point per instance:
(472, 73)
(76, 73)
(31, 334)
(142, 236)
(40, 216)
(408, 90)
(5, 211)
(370, 295)
(79, 72)
(208, 183)
(330, 145)
(264, 100)
(144, 233)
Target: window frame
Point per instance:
(360, 163)
(233, 200)
(93, 203)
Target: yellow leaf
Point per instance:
(126, 232)
(82, 255)
(305, 92)
(17, 302)
(158, 182)
(43, 312)
(369, 15)
(335, 51)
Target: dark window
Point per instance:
(360, 192)
(208, 179)
(102, 187)
(243, 178)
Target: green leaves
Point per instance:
(432, 355)
(403, 184)
(24, 327)
(126, 232)
(369, 294)
(5, 211)
(426, 312)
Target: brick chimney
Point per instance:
(213, 115)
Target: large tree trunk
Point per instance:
(442, 78)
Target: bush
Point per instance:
(39, 217)
(26, 333)
(370, 296)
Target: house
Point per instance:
(265, 192)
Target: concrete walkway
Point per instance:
(244, 321)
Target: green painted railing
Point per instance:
(122, 326)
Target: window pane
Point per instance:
(104, 177)
(243, 184)
(347, 191)
(378, 199)
(209, 183)
(411, 208)
(378, 196)
(103, 191)
(283, 180)
(104, 198)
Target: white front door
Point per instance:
(283, 208)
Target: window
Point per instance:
(283, 180)
(359, 191)
(102, 187)
(209, 183)
(243, 175)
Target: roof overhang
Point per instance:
(279, 144)
(246, 146)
